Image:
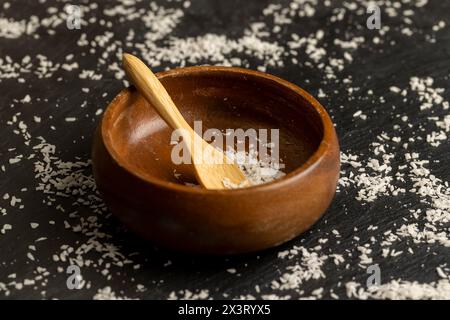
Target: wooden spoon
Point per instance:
(213, 168)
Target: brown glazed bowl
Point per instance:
(135, 175)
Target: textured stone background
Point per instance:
(43, 96)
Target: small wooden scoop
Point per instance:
(214, 170)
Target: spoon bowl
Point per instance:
(152, 196)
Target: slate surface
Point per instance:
(374, 67)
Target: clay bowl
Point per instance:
(135, 175)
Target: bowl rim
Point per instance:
(327, 138)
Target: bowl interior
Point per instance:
(221, 99)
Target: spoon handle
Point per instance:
(151, 88)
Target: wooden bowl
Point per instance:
(135, 175)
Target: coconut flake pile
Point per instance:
(257, 171)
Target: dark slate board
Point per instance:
(374, 67)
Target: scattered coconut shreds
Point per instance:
(34, 225)
(395, 181)
(189, 295)
(373, 178)
(309, 267)
(400, 290)
(107, 294)
(11, 29)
